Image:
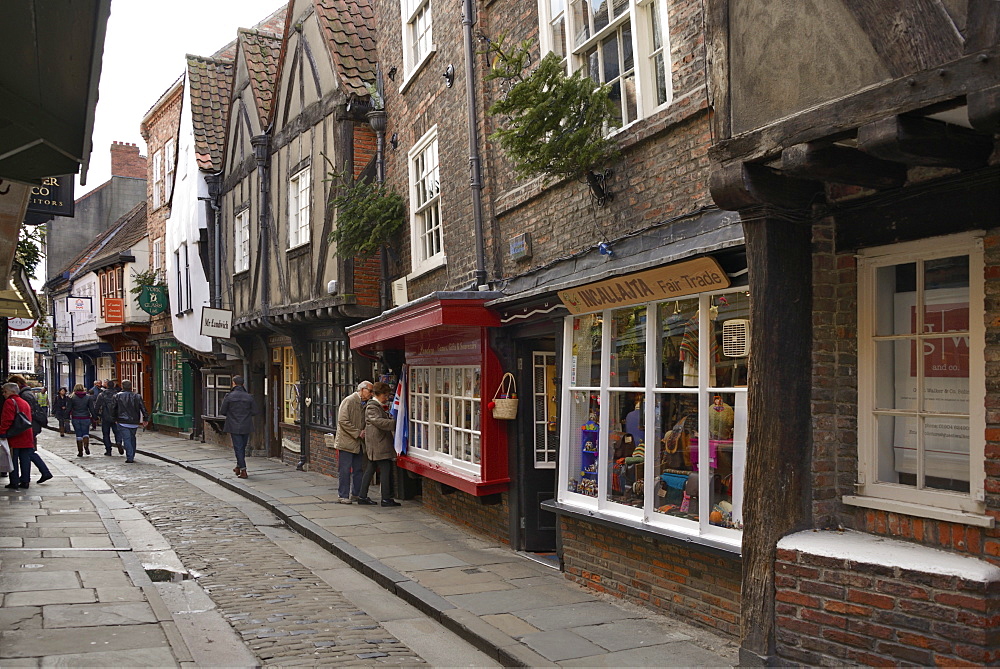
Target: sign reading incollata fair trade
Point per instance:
(663, 283)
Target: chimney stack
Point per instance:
(126, 161)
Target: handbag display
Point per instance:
(19, 424)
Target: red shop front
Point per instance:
(451, 375)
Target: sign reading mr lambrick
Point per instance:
(216, 322)
(663, 283)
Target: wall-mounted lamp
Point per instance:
(392, 72)
(394, 140)
(449, 76)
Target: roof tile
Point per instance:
(210, 82)
(349, 28)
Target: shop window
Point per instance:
(425, 195)
(216, 388)
(110, 281)
(21, 360)
(171, 381)
(651, 431)
(298, 208)
(622, 43)
(105, 368)
(333, 380)
(289, 385)
(444, 411)
(544, 419)
(921, 381)
(241, 250)
(130, 366)
(418, 38)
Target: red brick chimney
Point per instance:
(126, 161)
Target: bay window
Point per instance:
(444, 410)
(656, 413)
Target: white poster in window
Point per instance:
(946, 384)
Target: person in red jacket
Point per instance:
(21, 445)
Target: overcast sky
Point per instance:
(144, 54)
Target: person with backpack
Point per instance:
(129, 411)
(102, 407)
(15, 427)
(60, 409)
(81, 413)
(39, 419)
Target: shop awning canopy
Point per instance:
(433, 316)
(50, 66)
(17, 299)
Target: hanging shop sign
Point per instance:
(21, 324)
(114, 310)
(54, 197)
(78, 304)
(153, 299)
(216, 322)
(663, 283)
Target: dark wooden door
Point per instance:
(537, 443)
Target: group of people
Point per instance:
(364, 439)
(114, 405)
(19, 401)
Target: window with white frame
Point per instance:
(217, 386)
(290, 385)
(158, 255)
(157, 178)
(425, 196)
(298, 208)
(418, 40)
(21, 360)
(241, 252)
(169, 162)
(332, 379)
(921, 379)
(654, 414)
(444, 410)
(622, 43)
(187, 278)
(171, 380)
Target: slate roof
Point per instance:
(210, 81)
(120, 236)
(349, 29)
(260, 51)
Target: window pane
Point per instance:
(731, 325)
(611, 63)
(581, 21)
(619, 7)
(896, 292)
(895, 375)
(599, 9)
(626, 448)
(897, 449)
(676, 318)
(559, 37)
(584, 436)
(946, 454)
(676, 455)
(660, 73)
(628, 347)
(946, 286)
(586, 351)
(727, 420)
(946, 374)
(626, 42)
(593, 65)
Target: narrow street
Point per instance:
(155, 564)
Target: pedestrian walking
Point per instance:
(379, 429)
(22, 444)
(239, 409)
(82, 416)
(350, 443)
(129, 411)
(60, 410)
(102, 407)
(96, 389)
(42, 395)
(38, 421)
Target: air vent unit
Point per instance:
(736, 338)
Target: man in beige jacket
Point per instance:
(350, 442)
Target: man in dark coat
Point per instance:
(239, 409)
(129, 411)
(102, 406)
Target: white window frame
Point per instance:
(640, 13)
(425, 409)
(416, 16)
(426, 222)
(241, 250)
(157, 178)
(169, 161)
(158, 255)
(938, 504)
(299, 189)
(701, 530)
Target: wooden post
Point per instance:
(779, 441)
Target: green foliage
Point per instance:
(150, 277)
(29, 248)
(556, 124)
(369, 214)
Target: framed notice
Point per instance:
(216, 322)
(114, 310)
(78, 304)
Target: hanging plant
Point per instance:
(149, 277)
(555, 125)
(369, 214)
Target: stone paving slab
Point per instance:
(132, 613)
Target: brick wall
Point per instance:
(693, 586)
(126, 161)
(467, 511)
(834, 612)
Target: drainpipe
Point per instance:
(475, 183)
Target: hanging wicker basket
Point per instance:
(504, 402)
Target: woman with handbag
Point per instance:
(81, 412)
(15, 426)
(60, 409)
(379, 430)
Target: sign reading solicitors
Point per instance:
(216, 322)
(663, 283)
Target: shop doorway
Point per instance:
(537, 444)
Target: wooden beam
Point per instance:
(984, 109)
(982, 25)
(841, 164)
(921, 141)
(743, 185)
(717, 31)
(954, 80)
